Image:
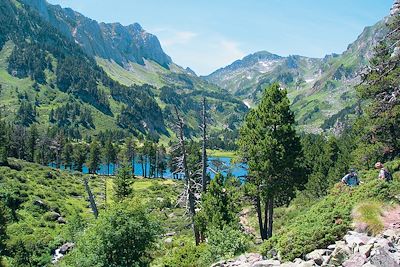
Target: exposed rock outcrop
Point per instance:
(355, 250)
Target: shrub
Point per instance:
(189, 256)
(227, 242)
(123, 236)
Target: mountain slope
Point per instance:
(52, 79)
(111, 41)
(319, 88)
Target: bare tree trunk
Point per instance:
(91, 199)
(204, 179)
(270, 216)
(259, 216)
(189, 182)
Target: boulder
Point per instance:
(53, 216)
(354, 239)
(67, 247)
(382, 258)
(316, 255)
(368, 264)
(168, 240)
(365, 250)
(331, 247)
(341, 253)
(391, 235)
(39, 203)
(266, 263)
(170, 234)
(357, 260)
(61, 220)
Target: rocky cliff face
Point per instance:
(111, 41)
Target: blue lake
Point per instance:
(223, 165)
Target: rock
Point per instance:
(391, 235)
(61, 220)
(67, 247)
(356, 239)
(331, 247)
(41, 204)
(382, 258)
(316, 255)
(266, 263)
(53, 216)
(307, 264)
(368, 264)
(357, 260)
(170, 234)
(340, 254)
(365, 250)
(168, 240)
(383, 243)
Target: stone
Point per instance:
(357, 260)
(307, 264)
(39, 203)
(53, 216)
(368, 264)
(61, 220)
(382, 258)
(168, 240)
(391, 235)
(331, 247)
(67, 247)
(365, 250)
(266, 263)
(383, 243)
(341, 253)
(356, 239)
(170, 234)
(316, 255)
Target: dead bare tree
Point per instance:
(203, 127)
(182, 165)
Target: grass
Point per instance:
(221, 153)
(63, 192)
(367, 217)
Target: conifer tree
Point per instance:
(272, 150)
(109, 154)
(123, 182)
(94, 157)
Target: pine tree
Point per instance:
(3, 233)
(33, 137)
(4, 143)
(130, 152)
(94, 157)
(79, 156)
(123, 182)
(380, 87)
(109, 154)
(272, 150)
(67, 155)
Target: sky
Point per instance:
(209, 34)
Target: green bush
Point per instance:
(189, 256)
(121, 237)
(227, 242)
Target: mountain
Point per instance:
(62, 69)
(321, 89)
(111, 41)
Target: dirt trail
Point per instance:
(244, 221)
(391, 218)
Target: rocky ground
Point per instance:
(355, 250)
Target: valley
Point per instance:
(112, 154)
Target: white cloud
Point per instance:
(202, 52)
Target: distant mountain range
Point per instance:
(320, 88)
(119, 74)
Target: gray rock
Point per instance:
(341, 253)
(316, 255)
(39, 203)
(53, 216)
(356, 260)
(331, 247)
(391, 235)
(168, 240)
(67, 247)
(365, 250)
(356, 239)
(368, 264)
(266, 263)
(382, 258)
(307, 264)
(61, 220)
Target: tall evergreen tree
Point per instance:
(94, 157)
(109, 154)
(33, 137)
(123, 182)
(3, 234)
(272, 150)
(79, 156)
(67, 155)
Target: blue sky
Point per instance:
(206, 35)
